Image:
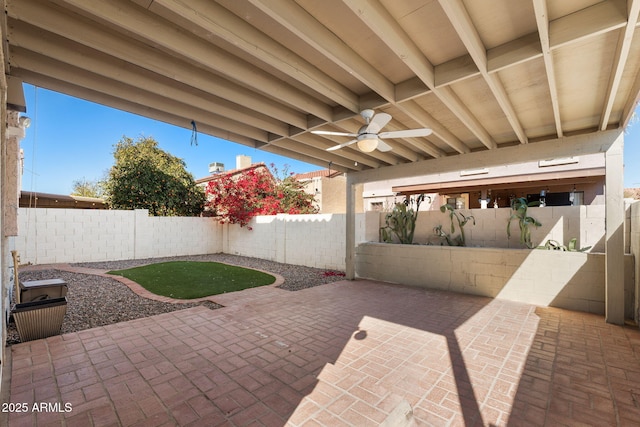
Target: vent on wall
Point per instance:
(558, 161)
(474, 172)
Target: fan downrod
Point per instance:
(367, 115)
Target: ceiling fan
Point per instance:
(369, 136)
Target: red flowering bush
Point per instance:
(333, 274)
(237, 198)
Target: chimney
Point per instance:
(243, 161)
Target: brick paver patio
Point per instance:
(349, 353)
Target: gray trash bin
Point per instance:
(34, 290)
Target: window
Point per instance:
(457, 201)
(559, 199)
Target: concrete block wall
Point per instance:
(312, 240)
(560, 223)
(257, 240)
(71, 235)
(571, 280)
(303, 246)
(76, 235)
(173, 236)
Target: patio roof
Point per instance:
(482, 74)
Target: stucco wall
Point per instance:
(571, 280)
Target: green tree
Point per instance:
(293, 198)
(85, 188)
(146, 177)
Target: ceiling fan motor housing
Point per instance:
(367, 115)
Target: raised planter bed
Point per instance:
(572, 280)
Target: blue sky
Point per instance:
(632, 153)
(71, 139)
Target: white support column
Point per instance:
(350, 256)
(614, 233)
(484, 199)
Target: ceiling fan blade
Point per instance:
(328, 132)
(345, 144)
(409, 133)
(383, 146)
(378, 122)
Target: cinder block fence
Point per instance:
(491, 265)
(74, 235)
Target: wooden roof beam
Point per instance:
(71, 53)
(389, 31)
(351, 152)
(130, 18)
(423, 146)
(597, 19)
(27, 60)
(620, 60)
(401, 150)
(421, 116)
(405, 92)
(226, 25)
(461, 21)
(103, 98)
(295, 19)
(304, 158)
(591, 21)
(542, 20)
(346, 157)
(313, 155)
(68, 27)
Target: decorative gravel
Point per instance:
(98, 301)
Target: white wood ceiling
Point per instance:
(483, 74)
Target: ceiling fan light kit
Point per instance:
(369, 137)
(367, 145)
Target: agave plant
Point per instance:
(461, 219)
(438, 231)
(401, 221)
(554, 245)
(519, 208)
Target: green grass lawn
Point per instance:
(192, 279)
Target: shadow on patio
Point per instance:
(346, 353)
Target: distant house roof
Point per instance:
(31, 199)
(633, 193)
(232, 172)
(317, 174)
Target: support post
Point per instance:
(614, 232)
(350, 229)
(484, 199)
